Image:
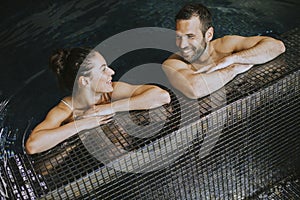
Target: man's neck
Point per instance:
(206, 58)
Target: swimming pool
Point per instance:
(33, 31)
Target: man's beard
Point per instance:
(197, 54)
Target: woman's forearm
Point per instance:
(151, 98)
(42, 140)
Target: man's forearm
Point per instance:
(262, 52)
(216, 80)
(206, 83)
(203, 84)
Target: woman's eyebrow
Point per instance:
(103, 65)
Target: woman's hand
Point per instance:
(92, 122)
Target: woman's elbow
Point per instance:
(159, 97)
(164, 97)
(30, 147)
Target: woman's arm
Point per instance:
(131, 97)
(50, 132)
(138, 97)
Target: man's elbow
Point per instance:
(278, 46)
(194, 95)
(281, 47)
(194, 92)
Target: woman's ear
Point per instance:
(209, 34)
(83, 81)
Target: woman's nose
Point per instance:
(111, 71)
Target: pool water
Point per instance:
(31, 31)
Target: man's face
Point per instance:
(189, 39)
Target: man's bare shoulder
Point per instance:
(227, 39)
(175, 61)
(226, 44)
(175, 56)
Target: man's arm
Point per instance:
(197, 85)
(247, 50)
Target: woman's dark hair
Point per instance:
(197, 10)
(65, 63)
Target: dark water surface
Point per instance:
(31, 30)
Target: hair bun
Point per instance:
(58, 61)
(65, 63)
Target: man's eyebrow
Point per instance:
(190, 34)
(103, 65)
(187, 34)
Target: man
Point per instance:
(203, 65)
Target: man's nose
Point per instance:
(183, 43)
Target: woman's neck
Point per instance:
(85, 99)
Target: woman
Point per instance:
(94, 101)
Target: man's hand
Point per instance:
(204, 69)
(220, 64)
(240, 68)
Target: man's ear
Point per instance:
(83, 81)
(209, 34)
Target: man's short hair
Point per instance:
(197, 10)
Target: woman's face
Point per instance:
(101, 75)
